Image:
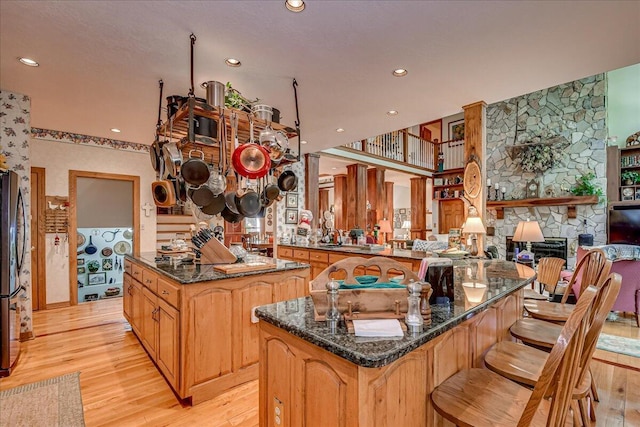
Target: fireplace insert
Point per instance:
(551, 247)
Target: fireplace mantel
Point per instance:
(570, 202)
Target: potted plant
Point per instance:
(629, 177)
(585, 187)
(234, 99)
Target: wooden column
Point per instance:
(340, 201)
(356, 196)
(376, 194)
(312, 183)
(388, 208)
(418, 208)
(324, 200)
(475, 136)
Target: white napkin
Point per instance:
(378, 328)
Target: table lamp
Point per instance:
(406, 225)
(385, 227)
(528, 231)
(473, 226)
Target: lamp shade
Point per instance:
(528, 231)
(406, 225)
(473, 224)
(385, 226)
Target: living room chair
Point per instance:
(480, 397)
(523, 364)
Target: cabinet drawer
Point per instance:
(285, 252)
(150, 280)
(318, 256)
(127, 266)
(333, 258)
(136, 272)
(169, 292)
(301, 254)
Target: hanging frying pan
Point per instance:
(249, 204)
(195, 170)
(172, 159)
(251, 160)
(154, 151)
(287, 180)
(163, 193)
(90, 249)
(180, 188)
(201, 196)
(231, 216)
(216, 206)
(271, 190)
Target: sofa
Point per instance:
(626, 262)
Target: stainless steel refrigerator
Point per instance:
(12, 255)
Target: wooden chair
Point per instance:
(593, 269)
(523, 364)
(480, 397)
(549, 269)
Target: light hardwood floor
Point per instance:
(121, 386)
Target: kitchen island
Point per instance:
(315, 375)
(197, 324)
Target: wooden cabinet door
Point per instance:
(451, 215)
(168, 350)
(246, 342)
(136, 306)
(127, 298)
(149, 328)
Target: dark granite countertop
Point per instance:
(360, 250)
(500, 277)
(195, 272)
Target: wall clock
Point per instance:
(472, 179)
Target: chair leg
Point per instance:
(584, 412)
(575, 413)
(592, 410)
(594, 388)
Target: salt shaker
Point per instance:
(413, 318)
(332, 314)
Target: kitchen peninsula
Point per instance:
(197, 324)
(315, 376)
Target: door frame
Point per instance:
(39, 242)
(73, 220)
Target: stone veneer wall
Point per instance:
(575, 110)
(15, 116)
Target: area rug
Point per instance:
(53, 402)
(622, 345)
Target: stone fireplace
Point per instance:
(551, 247)
(574, 111)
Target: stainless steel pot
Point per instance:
(215, 93)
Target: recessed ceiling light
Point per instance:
(116, 130)
(392, 113)
(339, 130)
(294, 5)
(400, 72)
(334, 168)
(303, 142)
(233, 62)
(28, 61)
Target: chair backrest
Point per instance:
(607, 295)
(589, 270)
(560, 372)
(549, 269)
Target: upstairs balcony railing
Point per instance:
(401, 146)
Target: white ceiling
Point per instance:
(100, 61)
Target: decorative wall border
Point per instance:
(77, 138)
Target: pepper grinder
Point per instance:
(332, 314)
(413, 318)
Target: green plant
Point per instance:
(585, 187)
(630, 176)
(234, 99)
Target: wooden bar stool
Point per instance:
(480, 397)
(549, 269)
(523, 364)
(592, 269)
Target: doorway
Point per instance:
(96, 200)
(38, 266)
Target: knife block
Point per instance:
(214, 252)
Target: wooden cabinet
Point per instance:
(203, 337)
(450, 214)
(619, 161)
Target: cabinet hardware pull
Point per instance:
(165, 293)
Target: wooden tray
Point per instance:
(243, 267)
